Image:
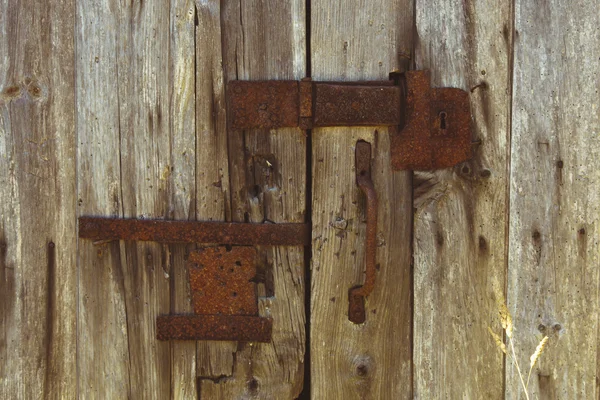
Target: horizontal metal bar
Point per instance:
(214, 327)
(356, 105)
(307, 104)
(194, 232)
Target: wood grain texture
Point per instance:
(362, 40)
(553, 274)
(183, 179)
(37, 201)
(461, 213)
(128, 142)
(215, 359)
(266, 182)
(102, 358)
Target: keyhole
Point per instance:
(443, 120)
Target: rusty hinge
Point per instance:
(222, 278)
(431, 126)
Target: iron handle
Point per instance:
(357, 294)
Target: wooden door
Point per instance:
(118, 108)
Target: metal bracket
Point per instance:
(224, 299)
(222, 279)
(431, 127)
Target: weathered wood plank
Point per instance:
(553, 276)
(102, 358)
(215, 359)
(461, 213)
(38, 275)
(267, 181)
(183, 180)
(372, 360)
(126, 169)
(146, 166)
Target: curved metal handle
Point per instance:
(357, 294)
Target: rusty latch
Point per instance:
(222, 278)
(431, 126)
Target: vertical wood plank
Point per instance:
(37, 201)
(183, 180)
(146, 163)
(215, 359)
(261, 40)
(354, 41)
(102, 327)
(129, 167)
(553, 275)
(461, 213)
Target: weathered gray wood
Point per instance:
(146, 168)
(461, 213)
(352, 41)
(261, 40)
(127, 149)
(555, 172)
(102, 357)
(183, 200)
(215, 359)
(38, 274)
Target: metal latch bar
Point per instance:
(290, 234)
(430, 126)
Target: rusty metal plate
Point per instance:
(437, 132)
(221, 280)
(194, 232)
(214, 327)
(356, 105)
(263, 104)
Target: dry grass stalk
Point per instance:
(536, 354)
(507, 325)
(538, 351)
(506, 320)
(498, 340)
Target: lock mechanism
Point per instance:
(430, 127)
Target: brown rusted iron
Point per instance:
(221, 280)
(194, 232)
(357, 294)
(431, 126)
(437, 133)
(214, 327)
(263, 104)
(307, 104)
(356, 105)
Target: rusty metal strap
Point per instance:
(307, 104)
(429, 127)
(194, 232)
(214, 327)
